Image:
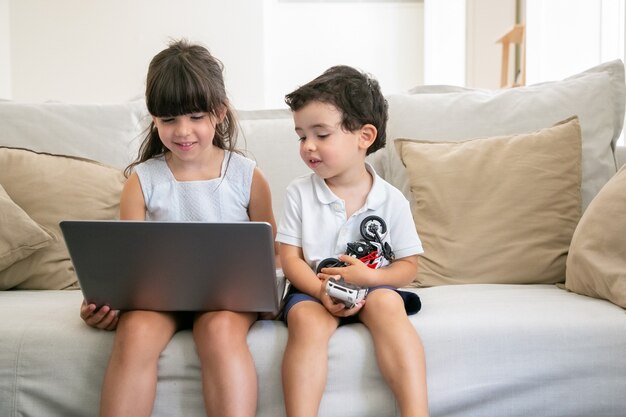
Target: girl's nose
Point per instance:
(182, 128)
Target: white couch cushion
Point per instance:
(269, 138)
(596, 96)
(108, 133)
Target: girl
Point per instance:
(187, 170)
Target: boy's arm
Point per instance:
(400, 273)
(298, 271)
(304, 279)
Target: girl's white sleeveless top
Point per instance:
(224, 199)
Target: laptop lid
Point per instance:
(171, 266)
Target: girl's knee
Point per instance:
(144, 332)
(222, 330)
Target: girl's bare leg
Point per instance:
(399, 351)
(229, 382)
(305, 362)
(129, 386)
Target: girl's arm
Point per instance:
(260, 208)
(132, 204)
(132, 207)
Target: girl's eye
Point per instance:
(197, 116)
(167, 119)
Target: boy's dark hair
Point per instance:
(185, 78)
(356, 94)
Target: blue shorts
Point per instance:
(412, 302)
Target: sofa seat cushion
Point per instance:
(533, 350)
(51, 188)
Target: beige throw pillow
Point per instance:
(51, 188)
(496, 210)
(596, 265)
(20, 236)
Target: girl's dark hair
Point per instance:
(356, 94)
(185, 78)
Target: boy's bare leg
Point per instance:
(129, 386)
(229, 381)
(399, 351)
(305, 362)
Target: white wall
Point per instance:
(88, 51)
(460, 41)
(569, 36)
(98, 51)
(5, 54)
(305, 38)
(487, 21)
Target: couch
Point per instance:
(516, 195)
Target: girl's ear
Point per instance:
(368, 136)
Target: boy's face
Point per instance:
(325, 146)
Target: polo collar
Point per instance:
(375, 198)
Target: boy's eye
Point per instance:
(323, 135)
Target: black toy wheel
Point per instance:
(373, 227)
(329, 263)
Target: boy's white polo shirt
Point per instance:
(315, 219)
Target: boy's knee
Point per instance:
(311, 320)
(384, 302)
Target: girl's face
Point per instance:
(189, 135)
(325, 146)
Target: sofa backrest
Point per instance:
(112, 133)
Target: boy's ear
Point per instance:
(368, 135)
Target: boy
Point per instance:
(340, 118)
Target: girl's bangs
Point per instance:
(178, 96)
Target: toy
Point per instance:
(344, 292)
(372, 251)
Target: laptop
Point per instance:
(172, 266)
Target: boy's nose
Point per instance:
(308, 144)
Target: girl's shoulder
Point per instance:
(153, 170)
(240, 159)
(238, 165)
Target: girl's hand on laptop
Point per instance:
(103, 318)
